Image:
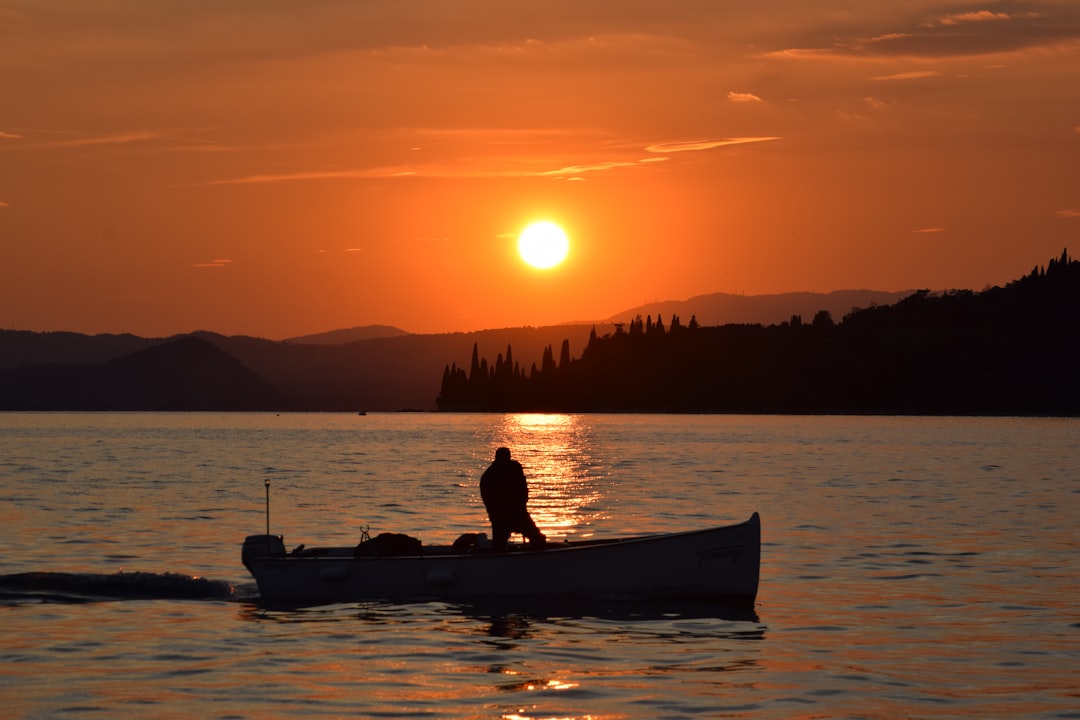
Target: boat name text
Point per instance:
(729, 555)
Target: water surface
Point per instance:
(912, 567)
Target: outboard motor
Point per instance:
(262, 546)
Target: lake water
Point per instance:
(911, 567)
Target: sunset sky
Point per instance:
(277, 168)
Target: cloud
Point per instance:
(8, 136)
(72, 139)
(973, 17)
(798, 53)
(876, 104)
(217, 263)
(929, 230)
(1045, 26)
(695, 145)
(484, 153)
(361, 174)
(118, 139)
(593, 167)
(461, 171)
(912, 75)
(742, 97)
(537, 166)
(1068, 214)
(886, 37)
(4, 204)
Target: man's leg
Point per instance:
(531, 532)
(499, 535)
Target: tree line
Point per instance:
(1004, 350)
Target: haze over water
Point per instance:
(912, 567)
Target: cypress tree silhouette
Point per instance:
(1011, 349)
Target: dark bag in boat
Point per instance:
(389, 545)
(470, 541)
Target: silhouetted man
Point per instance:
(505, 493)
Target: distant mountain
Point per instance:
(348, 335)
(186, 373)
(376, 368)
(390, 373)
(68, 371)
(725, 308)
(23, 348)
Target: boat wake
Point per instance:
(67, 587)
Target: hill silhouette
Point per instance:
(1010, 350)
(63, 371)
(730, 309)
(187, 373)
(348, 335)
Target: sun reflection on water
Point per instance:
(566, 472)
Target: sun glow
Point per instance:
(543, 244)
(567, 484)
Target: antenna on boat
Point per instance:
(267, 483)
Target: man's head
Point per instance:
(502, 454)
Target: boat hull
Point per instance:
(718, 563)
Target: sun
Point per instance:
(543, 244)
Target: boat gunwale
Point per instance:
(347, 552)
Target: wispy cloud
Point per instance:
(356, 174)
(798, 53)
(1046, 25)
(1068, 213)
(886, 37)
(912, 75)
(4, 204)
(118, 139)
(592, 167)
(47, 139)
(217, 263)
(743, 97)
(695, 145)
(976, 16)
(929, 230)
(523, 166)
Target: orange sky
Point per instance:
(277, 168)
